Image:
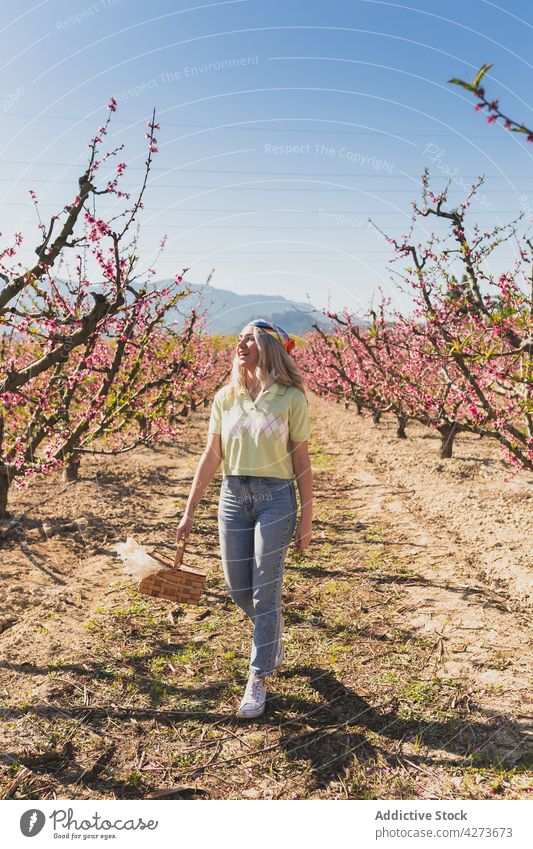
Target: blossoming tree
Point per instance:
(463, 361)
(90, 367)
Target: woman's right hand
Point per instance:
(184, 527)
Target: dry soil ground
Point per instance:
(406, 665)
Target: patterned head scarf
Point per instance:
(281, 335)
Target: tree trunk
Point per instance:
(4, 490)
(71, 469)
(359, 408)
(184, 411)
(376, 416)
(193, 405)
(400, 431)
(448, 432)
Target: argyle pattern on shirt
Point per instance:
(257, 423)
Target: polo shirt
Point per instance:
(255, 435)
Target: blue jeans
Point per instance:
(256, 521)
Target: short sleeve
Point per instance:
(299, 424)
(215, 420)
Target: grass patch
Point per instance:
(320, 459)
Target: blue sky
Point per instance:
(284, 126)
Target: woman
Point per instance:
(259, 428)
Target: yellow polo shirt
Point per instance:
(255, 435)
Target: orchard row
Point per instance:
(92, 356)
(463, 358)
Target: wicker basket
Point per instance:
(174, 582)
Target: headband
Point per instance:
(281, 335)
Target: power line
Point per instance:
(288, 175)
(214, 255)
(212, 210)
(379, 132)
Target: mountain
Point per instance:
(228, 312)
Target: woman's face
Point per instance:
(247, 350)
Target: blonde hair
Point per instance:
(272, 358)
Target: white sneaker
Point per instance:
(253, 701)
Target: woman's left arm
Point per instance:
(304, 476)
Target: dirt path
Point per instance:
(406, 650)
(479, 620)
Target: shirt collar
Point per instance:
(276, 389)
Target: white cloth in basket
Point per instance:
(137, 561)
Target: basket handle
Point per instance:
(179, 554)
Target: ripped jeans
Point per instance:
(256, 521)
